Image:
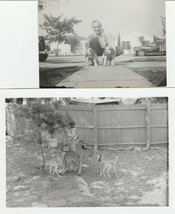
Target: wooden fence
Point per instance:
(118, 125)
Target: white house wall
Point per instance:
(134, 40)
(65, 49)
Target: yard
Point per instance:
(56, 69)
(143, 179)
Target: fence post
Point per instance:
(95, 128)
(148, 126)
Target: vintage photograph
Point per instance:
(87, 152)
(102, 43)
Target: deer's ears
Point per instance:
(99, 157)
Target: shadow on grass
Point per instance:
(157, 76)
(49, 78)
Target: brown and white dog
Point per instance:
(91, 56)
(108, 56)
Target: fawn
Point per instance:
(107, 165)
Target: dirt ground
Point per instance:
(143, 180)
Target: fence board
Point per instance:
(115, 125)
(148, 126)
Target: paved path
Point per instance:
(105, 77)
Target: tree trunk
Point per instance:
(41, 148)
(42, 156)
(57, 49)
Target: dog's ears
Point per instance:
(112, 51)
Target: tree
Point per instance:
(74, 42)
(163, 20)
(41, 4)
(145, 100)
(141, 39)
(44, 3)
(119, 40)
(57, 28)
(37, 117)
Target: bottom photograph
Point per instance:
(86, 152)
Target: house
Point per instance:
(76, 45)
(131, 40)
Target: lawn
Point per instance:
(156, 75)
(49, 78)
(142, 180)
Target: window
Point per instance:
(126, 45)
(145, 43)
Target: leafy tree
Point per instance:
(74, 42)
(41, 4)
(36, 118)
(57, 28)
(163, 20)
(119, 40)
(141, 39)
(151, 100)
(9, 100)
(44, 3)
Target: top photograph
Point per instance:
(102, 43)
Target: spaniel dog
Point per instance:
(109, 56)
(91, 57)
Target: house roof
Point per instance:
(76, 36)
(97, 101)
(128, 101)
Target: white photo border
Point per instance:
(86, 93)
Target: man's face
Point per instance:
(97, 28)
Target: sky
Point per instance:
(124, 16)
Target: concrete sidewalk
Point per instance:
(105, 77)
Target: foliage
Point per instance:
(9, 100)
(38, 116)
(119, 40)
(13, 100)
(163, 20)
(41, 4)
(141, 39)
(151, 100)
(74, 42)
(44, 3)
(57, 28)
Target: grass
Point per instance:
(156, 75)
(49, 78)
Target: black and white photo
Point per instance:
(102, 43)
(87, 152)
